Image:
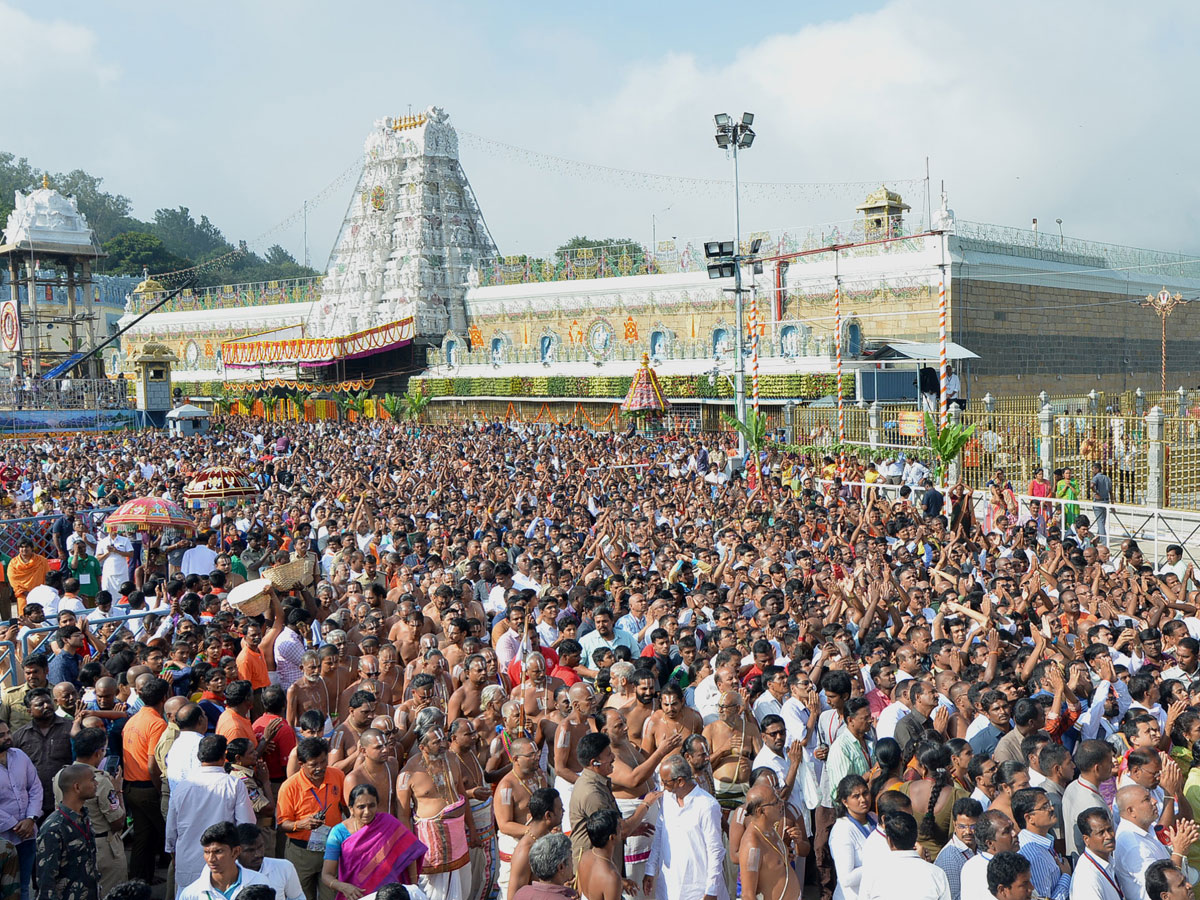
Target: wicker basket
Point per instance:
(289, 575)
(251, 598)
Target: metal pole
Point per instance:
(739, 388)
(306, 233)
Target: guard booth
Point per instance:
(186, 420)
(153, 372)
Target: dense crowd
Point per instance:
(537, 663)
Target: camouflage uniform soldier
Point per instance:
(66, 848)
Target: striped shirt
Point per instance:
(289, 650)
(1048, 879)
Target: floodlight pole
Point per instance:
(739, 385)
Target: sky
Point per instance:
(243, 111)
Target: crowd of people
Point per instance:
(540, 663)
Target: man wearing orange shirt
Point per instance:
(142, 777)
(235, 720)
(26, 571)
(309, 804)
(251, 665)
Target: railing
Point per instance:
(9, 668)
(37, 529)
(1077, 250)
(1160, 527)
(251, 293)
(687, 254)
(93, 624)
(64, 393)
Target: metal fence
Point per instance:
(64, 393)
(37, 529)
(1153, 529)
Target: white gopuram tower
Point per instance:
(410, 238)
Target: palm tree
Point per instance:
(946, 443)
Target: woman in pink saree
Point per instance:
(369, 849)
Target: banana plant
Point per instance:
(415, 404)
(753, 430)
(357, 403)
(393, 406)
(947, 443)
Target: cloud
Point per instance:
(49, 55)
(1073, 110)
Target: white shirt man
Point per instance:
(1137, 847)
(688, 851)
(281, 875)
(209, 794)
(919, 880)
(46, 597)
(200, 560)
(972, 880)
(182, 760)
(114, 568)
(202, 887)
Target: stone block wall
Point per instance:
(1032, 338)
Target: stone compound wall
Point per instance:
(1032, 338)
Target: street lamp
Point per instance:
(734, 136)
(1164, 303)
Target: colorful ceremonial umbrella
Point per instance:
(645, 393)
(219, 486)
(149, 514)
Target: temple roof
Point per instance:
(44, 221)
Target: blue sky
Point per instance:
(242, 110)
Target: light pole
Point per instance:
(736, 136)
(1164, 303)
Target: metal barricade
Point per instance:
(93, 624)
(8, 663)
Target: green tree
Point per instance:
(128, 253)
(277, 256)
(183, 235)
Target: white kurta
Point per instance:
(688, 854)
(207, 796)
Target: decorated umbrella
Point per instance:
(645, 395)
(219, 486)
(143, 514)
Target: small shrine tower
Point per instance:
(883, 214)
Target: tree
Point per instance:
(582, 242)
(277, 256)
(128, 253)
(183, 235)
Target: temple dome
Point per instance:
(44, 217)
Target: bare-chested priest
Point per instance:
(581, 721)
(734, 740)
(431, 799)
(375, 766)
(512, 802)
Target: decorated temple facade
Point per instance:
(414, 268)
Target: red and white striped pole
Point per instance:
(754, 347)
(837, 342)
(943, 404)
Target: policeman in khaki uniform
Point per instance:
(15, 710)
(106, 810)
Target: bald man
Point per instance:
(579, 721)
(735, 741)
